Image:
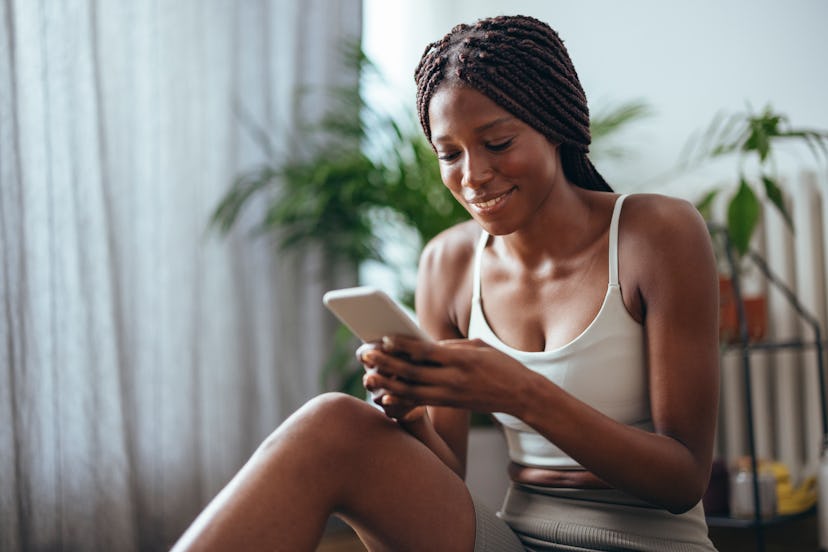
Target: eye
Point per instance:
(499, 146)
(450, 156)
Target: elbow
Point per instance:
(681, 507)
(686, 497)
(681, 504)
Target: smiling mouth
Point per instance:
(491, 204)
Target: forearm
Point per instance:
(423, 429)
(655, 467)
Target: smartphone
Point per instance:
(371, 314)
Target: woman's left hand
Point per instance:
(459, 373)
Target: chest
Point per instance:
(547, 307)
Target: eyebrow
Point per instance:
(481, 128)
(496, 122)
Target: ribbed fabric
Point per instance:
(492, 534)
(569, 519)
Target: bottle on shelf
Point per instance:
(741, 491)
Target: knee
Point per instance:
(331, 420)
(336, 410)
(334, 401)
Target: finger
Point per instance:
(399, 410)
(376, 396)
(419, 351)
(446, 352)
(415, 393)
(376, 382)
(373, 383)
(364, 348)
(398, 403)
(393, 367)
(419, 395)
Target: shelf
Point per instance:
(745, 347)
(775, 345)
(726, 521)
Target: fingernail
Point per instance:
(387, 343)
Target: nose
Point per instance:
(476, 171)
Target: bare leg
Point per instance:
(338, 455)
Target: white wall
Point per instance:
(689, 60)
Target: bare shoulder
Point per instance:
(664, 246)
(658, 223)
(444, 283)
(453, 245)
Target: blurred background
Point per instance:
(687, 61)
(181, 181)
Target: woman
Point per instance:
(590, 330)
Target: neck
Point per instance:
(562, 228)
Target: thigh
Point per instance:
(401, 496)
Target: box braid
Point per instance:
(521, 64)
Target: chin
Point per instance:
(496, 228)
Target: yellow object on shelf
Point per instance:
(789, 499)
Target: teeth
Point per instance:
(483, 205)
(490, 203)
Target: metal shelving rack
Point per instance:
(758, 523)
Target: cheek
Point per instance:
(451, 177)
(516, 164)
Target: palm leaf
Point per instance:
(605, 124)
(609, 121)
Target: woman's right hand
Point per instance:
(394, 407)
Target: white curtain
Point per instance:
(142, 358)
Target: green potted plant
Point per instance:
(752, 138)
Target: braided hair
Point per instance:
(521, 64)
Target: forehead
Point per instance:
(456, 109)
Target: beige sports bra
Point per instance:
(604, 366)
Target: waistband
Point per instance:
(600, 520)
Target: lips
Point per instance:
(490, 204)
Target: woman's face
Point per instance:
(498, 167)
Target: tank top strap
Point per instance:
(613, 241)
(478, 261)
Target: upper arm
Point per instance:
(444, 286)
(443, 299)
(678, 288)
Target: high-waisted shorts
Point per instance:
(537, 518)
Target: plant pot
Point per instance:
(728, 315)
(756, 314)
